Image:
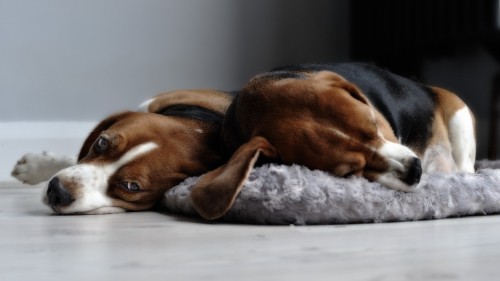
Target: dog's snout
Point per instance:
(57, 195)
(414, 172)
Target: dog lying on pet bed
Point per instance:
(344, 119)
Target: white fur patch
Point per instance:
(438, 159)
(92, 183)
(397, 152)
(463, 141)
(399, 158)
(144, 107)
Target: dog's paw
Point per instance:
(35, 168)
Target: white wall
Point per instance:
(79, 60)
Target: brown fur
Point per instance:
(447, 104)
(186, 147)
(296, 118)
(210, 99)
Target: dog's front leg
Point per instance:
(35, 168)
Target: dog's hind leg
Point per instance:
(438, 157)
(36, 168)
(459, 123)
(462, 139)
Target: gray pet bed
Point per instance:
(277, 194)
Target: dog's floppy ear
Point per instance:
(354, 91)
(215, 192)
(104, 125)
(337, 80)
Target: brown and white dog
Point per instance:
(130, 159)
(347, 119)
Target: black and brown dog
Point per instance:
(347, 119)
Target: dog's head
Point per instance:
(130, 159)
(315, 119)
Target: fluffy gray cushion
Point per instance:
(277, 194)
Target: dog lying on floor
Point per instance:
(346, 119)
(130, 159)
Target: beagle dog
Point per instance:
(347, 119)
(131, 158)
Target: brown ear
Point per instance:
(339, 81)
(209, 99)
(104, 125)
(354, 92)
(215, 192)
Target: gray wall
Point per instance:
(81, 60)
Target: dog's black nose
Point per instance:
(414, 172)
(57, 195)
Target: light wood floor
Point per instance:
(35, 245)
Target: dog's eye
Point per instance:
(101, 145)
(131, 186)
(352, 173)
(349, 174)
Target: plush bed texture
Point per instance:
(278, 194)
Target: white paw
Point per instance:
(35, 168)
